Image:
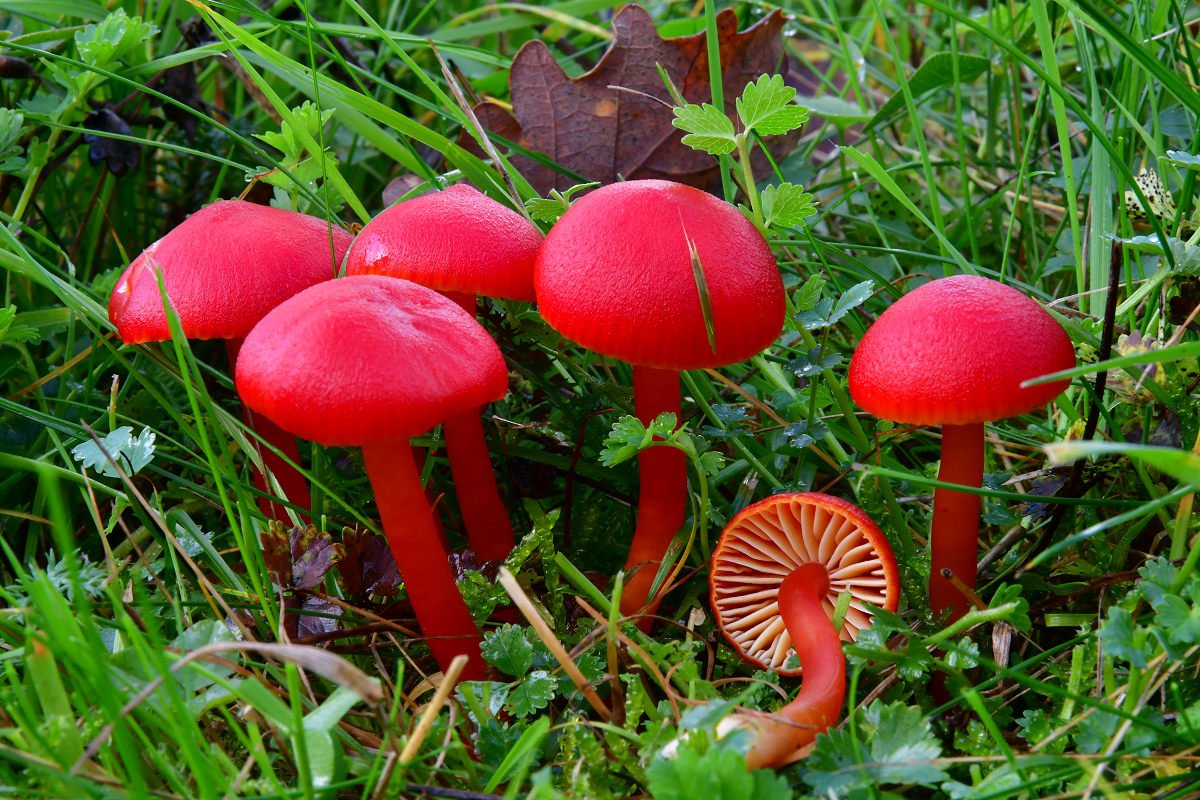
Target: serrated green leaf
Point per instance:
(902, 750)
(131, 452)
(718, 774)
(1179, 618)
(766, 107)
(627, 436)
(786, 205)
(663, 426)
(12, 331)
(851, 299)
(507, 649)
(807, 295)
(712, 462)
(1117, 635)
(903, 745)
(1011, 593)
(532, 693)
(112, 39)
(707, 128)
(545, 209)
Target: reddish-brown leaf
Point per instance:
(368, 567)
(614, 122)
(298, 557)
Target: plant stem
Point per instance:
(955, 532)
(750, 187)
(662, 497)
(408, 524)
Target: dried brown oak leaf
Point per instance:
(606, 134)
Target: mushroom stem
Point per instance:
(662, 495)
(955, 532)
(411, 534)
(489, 530)
(484, 516)
(293, 484)
(777, 737)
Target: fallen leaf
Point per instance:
(119, 155)
(614, 122)
(317, 617)
(367, 567)
(298, 557)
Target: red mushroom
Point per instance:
(223, 268)
(777, 571)
(463, 244)
(370, 362)
(954, 352)
(638, 271)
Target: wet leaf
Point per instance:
(117, 154)
(131, 452)
(615, 121)
(298, 557)
(367, 566)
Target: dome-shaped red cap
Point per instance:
(955, 351)
(366, 359)
(615, 275)
(457, 240)
(223, 268)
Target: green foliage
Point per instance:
(299, 170)
(765, 108)
(131, 453)
(896, 746)
(549, 209)
(825, 311)
(973, 134)
(717, 773)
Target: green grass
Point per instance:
(134, 606)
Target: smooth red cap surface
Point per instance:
(615, 276)
(223, 268)
(367, 359)
(456, 240)
(767, 541)
(955, 351)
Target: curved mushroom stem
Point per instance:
(412, 536)
(293, 484)
(777, 737)
(954, 536)
(662, 498)
(489, 530)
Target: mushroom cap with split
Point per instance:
(456, 240)
(768, 541)
(617, 275)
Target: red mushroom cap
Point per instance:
(955, 351)
(224, 267)
(615, 275)
(367, 359)
(767, 541)
(457, 240)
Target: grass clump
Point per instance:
(160, 638)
